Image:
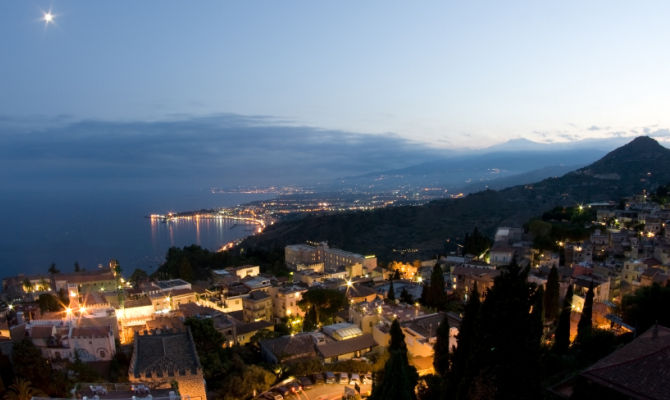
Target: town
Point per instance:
(322, 328)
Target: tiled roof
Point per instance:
(165, 352)
(85, 277)
(340, 347)
(253, 326)
(360, 291)
(258, 295)
(91, 331)
(640, 370)
(139, 302)
(425, 326)
(41, 332)
(291, 347)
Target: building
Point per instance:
(86, 281)
(285, 301)
(288, 348)
(638, 370)
(65, 342)
(161, 359)
(465, 276)
(257, 306)
(331, 258)
(93, 343)
(171, 285)
(245, 270)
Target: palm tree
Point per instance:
(27, 285)
(22, 389)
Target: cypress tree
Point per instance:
(399, 378)
(562, 339)
(310, 323)
(505, 363)
(405, 297)
(466, 339)
(537, 315)
(391, 293)
(585, 325)
(441, 348)
(425, 295)
(438, 297)
(551, 296)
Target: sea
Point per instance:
(91, 227)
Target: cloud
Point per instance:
(214, 150)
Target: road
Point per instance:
(327, 391)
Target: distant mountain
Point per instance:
(529, 145)
(458, 171)
(641, 164)
(518, 179)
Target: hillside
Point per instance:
(435, 227)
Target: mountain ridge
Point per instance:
(434, 227)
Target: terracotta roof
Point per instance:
(258, 295)
(360, 291)
(140, 302)
(165, 352)
(640, 370)
(181, 292)
(426, 325)
(91, 331)
(85, 277)
(253, 326)
(291, 347)
(340, 347)
(41, 332)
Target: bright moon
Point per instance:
(48, 17)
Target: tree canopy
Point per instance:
(327, 302)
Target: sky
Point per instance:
(450, 74)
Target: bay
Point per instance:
(92, 227)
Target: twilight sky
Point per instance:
(447, 73)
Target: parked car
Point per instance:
(344, 378)
(367, 378)
(282, 390)
(354, 379)
(271, 396)
(330, 377)
(317, 378)
(306, 382)
(295, 386)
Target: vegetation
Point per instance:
(647, 306)
(441, 347)
(310, 322)
(562, 338)
(193, 263)
(398, 379)
(551, 296)
(476, 243)
(390, 296)
(49, 303)
(29, 364)
(232, 373)
(22, 389)
(433, 294)
(326, 302)
(585, 325)
(561, 224)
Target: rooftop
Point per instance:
(336, 348)
(640, 369)
(161, 353)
